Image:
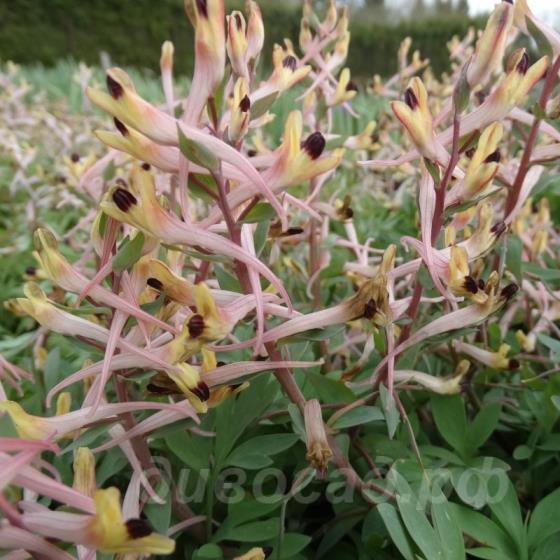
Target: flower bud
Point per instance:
(237, 44)
(491, 46)
(240, 111)
(255, 31)
(84, 472)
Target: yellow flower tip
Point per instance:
(111, 534)
(26, 425)
(256, 553)
(192, 386)
(63, 403)
(166, 60)
(84, 472)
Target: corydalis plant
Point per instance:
(205, 260)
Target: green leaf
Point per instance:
(543, 43)
(544, 519)
(483, 530)
(196, 152)
(191, 450)
(293, 543)
(508, 512)
(544, 274)
(261, 106)
(448, 528)
(313, 335)
(329, 390)
(254, 532)
(514, 260)
(396, 529)
(451, 421)
(262, 445)
(392, 416)
(259, 213)
(129, 252)
(414, 518)
(483, 426)
(159, 515)
(551, 343)
(358, 416)
(208, 551)
(52, 368)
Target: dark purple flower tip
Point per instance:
(523, 64)
(115, 89)
(238, 21)
(267, 551)
(201, 391)
(30, 271)
(513, 364)
(245, 104)
(290, 62)
(138, 528)
(196, 325)
(480, 283)
(351, 86)
(494, 157)
(498, 229)
(509, 291)
(154, 283)
(370, 309)
(410, 98)
(146, 166)
(292, 231)
(202, 6)
(120, 126)
(75, 157)
(508, 1)
(314, 145)
(470, 284)
(124, 199)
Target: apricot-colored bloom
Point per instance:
(237, 44)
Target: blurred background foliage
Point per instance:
(131, 31)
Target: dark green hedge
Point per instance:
(132, 31)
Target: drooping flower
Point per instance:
(318, 450)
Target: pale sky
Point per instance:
(541, 8)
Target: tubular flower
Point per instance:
(286, 72)
(140, 208)
(482, 168)
(468, 316)
(255, 31)
(237, 44)
(491, 45)
(496, 360)
(240, 111)
(318, 450)
(298, 160)
(207, 17)
(123, 103)
(60, 271)
(414, 114)
(39, 428)
(105, 531)
(450, 385)
(460, 281)
(345, 89)
(366, 140)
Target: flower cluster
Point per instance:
(205, 249)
